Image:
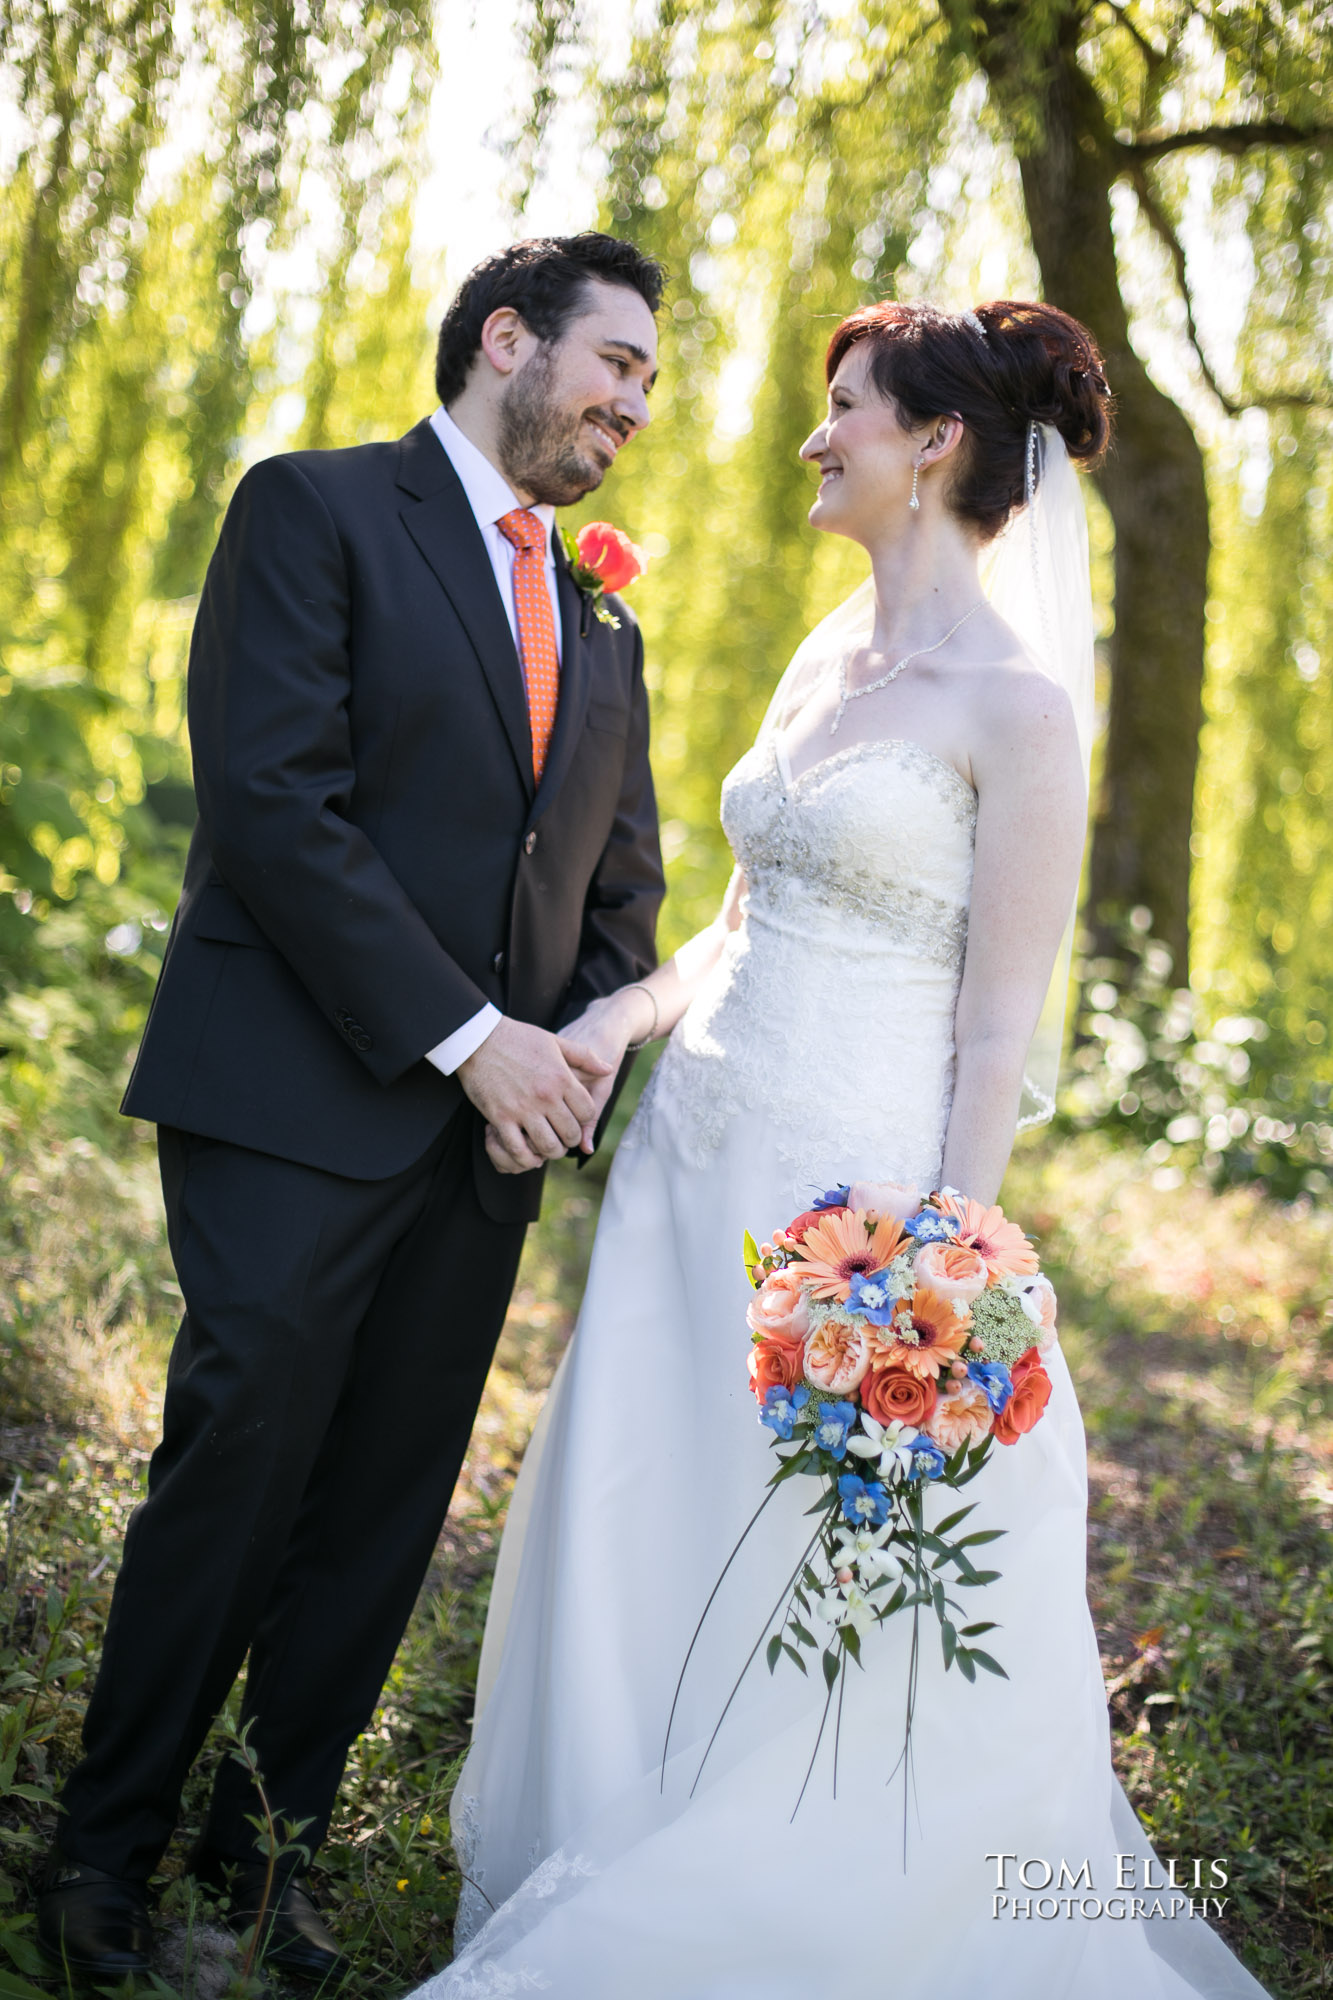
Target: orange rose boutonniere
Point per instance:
(601, 559)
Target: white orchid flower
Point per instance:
(891, 1444)
(852, 1544)
(857, 1609)
(826, 1606)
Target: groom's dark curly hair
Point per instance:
(544, 279)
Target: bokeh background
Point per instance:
(226, 230)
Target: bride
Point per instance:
(869, 1004)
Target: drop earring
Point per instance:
(914, 500)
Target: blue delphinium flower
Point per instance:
(864, 1502)
(832, 1197)
(873, 1297)
(832, 1426)
(932, 1227)
(782, 1407)
(994, 1378)
(927, 1459)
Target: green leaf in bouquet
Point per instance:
(963, 1660)
(751, 1258)
(792, 1654)
(980, 1535)
(798, 1462)
(851, 1642)
(952, 1520)
(949, 1640)
(985, 1660)
(983, 1625)
(773, 1651)
(832, 1667)
(806, 1638)
(983, 1576)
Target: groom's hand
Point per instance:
(536, 1106)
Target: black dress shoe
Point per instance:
(94, 1923)
(295, 1938)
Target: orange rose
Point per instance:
(610, 552)
(776, 1364)
(954, 1270)
(893, 1393)
(795, 1231)
(780, 1307)
(1032, 1392)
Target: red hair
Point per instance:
(1019, 363)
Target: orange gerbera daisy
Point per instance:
(840, 1246)
(1001, 1243)
(940, 1334)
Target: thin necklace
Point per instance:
(846, 694)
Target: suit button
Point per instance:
(530, 842)
(361, 1040)
(498, 962)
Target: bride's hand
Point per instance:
(604, 1030)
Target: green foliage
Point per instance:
(788, 165)
(1197, 1328)
(161, 161)
(1236, 1096)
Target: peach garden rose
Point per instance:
(954, 1270)
(780, 1306)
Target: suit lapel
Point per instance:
(441, 523)
(575, 678)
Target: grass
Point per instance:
(1200, 1331)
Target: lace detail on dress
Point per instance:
(469, 1979)
(474, 1907)
(831, 1007)
(491, 1983)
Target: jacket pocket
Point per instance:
(219, 915)
(608, 715)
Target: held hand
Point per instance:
(535, 1105)
(605, 1030)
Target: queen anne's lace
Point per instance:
(831, 1008)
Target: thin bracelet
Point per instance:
(637, 986)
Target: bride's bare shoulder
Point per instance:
(1020, 717)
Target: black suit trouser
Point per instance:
(320, 1395)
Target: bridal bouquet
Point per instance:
(896, 1340)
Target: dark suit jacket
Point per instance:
(371, 862)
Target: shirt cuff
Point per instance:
(465, 1041)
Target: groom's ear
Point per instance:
(506, 340)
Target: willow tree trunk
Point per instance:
(1153, 483)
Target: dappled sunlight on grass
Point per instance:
(1199, 1329)
(1200, 1334)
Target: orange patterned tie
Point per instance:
(536, 626)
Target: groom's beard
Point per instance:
(543, 448)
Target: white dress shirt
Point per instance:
(490, 497)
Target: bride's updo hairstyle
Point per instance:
(999, 368)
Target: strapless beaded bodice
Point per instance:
(831, 1008)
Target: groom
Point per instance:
(426, 840)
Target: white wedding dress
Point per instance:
(819, 1051)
